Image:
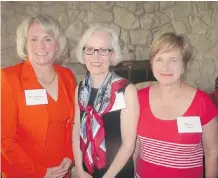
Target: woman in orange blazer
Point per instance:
(37, 105)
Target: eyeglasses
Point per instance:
(101, 51)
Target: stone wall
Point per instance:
(137, 24)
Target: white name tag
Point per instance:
(36, 97)
(191, 124)
(119, 102)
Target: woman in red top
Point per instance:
(177, 122)
(37, 105)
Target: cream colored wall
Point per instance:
(137, 23)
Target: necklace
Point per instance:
(47, 83)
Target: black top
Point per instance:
(112, 140)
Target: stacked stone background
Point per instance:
(137, 24)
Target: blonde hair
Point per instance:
(50, 25)
(169, 41)
(114, 43)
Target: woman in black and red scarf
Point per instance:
(107, 110)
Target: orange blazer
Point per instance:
(20, 135)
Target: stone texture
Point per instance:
(142, 53)
(215, 5)
(204, 83)
(207, 67)
(11, 22)
(166, 4)
(115, 28)
(200, 42)
(151, 6)
(9, 41)
(180, 10)
(7, 9)
(125, 19)
(77, 15)
(135, 7)
(206, 17)
(136, 22)
(198, 26)
(77, 68)
(32, 10)
(205, 6)
(9, 57)
(63, 19)
(105, 5)
(74, 31)
(191, 75)
(213, 52)
(3, 27)
(163, 29)
(179, 26)
(160, 19)
(54, 9)
(136, 37)
(129, 53)
(101, 15)
(125, 37)
(147, 21)
(193, 64)
(78, 5)
(212, 33)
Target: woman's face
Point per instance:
(168, 66)
(98, 64)
(41, 46)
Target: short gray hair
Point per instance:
(114, 43)
(50, 25)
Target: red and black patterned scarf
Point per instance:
(92, 132)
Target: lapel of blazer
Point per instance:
(28, 75)
(30, 82)
(63, 79)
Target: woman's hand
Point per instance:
(105, 176)
(83, 174)
(56, 172)
(66, 163)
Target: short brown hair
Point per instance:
(169, 41)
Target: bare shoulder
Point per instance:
(130, 94)
(130, 89)
(189, 90)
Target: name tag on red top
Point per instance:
(36, 97)
(189, 124)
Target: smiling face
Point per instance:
(167, 66)
(41, 46)
(97, 64)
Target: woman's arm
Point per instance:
(10, 147)
(210, 145)
(76, 141)
(129, 121)
(72, 83)
(136, 152)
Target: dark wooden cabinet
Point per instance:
(135, 71)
